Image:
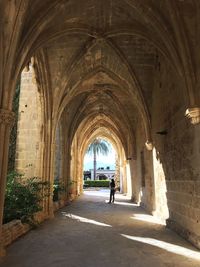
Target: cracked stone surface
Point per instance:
(91, 232)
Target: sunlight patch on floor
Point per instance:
(147, 218)
(166, 246)
(85, 220)
(98, 192)
(125, 203)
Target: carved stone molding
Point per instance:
(193, 114)
(149, 145)
(7, 117)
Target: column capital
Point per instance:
(193, 114)
(149, 145)
(7, 117)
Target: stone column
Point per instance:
(117, 170)
(149, 146)
(51, 179)
(161, 209)
(135, 191)
(124, 180)
(7, 119)
(47, 176)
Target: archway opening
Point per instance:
(99, 160)
(25, 152)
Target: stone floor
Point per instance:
(92, 233)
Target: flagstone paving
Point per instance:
(92, 233)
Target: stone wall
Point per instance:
(177, 146)
(58, 155)
(13, 230)
(145, 186)
(169, 176)
(28, 151)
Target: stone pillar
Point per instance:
(152, 183)
(73, 182)
(51, 180)
(7, 119)
(81, 178)
(58, 156)
(47, 162)
(117, 170)
(135, 192)
(128, 178)
(121, 177)
(124, 180)
(161, 209)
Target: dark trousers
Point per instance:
(112, 195)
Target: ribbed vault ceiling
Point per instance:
(98, 57)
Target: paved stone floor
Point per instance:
(91, 233)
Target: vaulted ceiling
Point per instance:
(99, 56)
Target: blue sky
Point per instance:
(102, 161)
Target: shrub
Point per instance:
(57, 188)
(23, 197)
(97, 183)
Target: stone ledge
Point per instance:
(13, 230)
(185, 233)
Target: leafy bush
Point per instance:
(23, 197)
(97, 183)
(57, 188)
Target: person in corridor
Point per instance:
(112, 191)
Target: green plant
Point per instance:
(97, 183)
(23, 197)
(57, 188)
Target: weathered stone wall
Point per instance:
(177, 146)
(160, 198)
(76, 167)
(13, 230)
(144, 166)
(58, 155)
(28, 151)
(107, 65)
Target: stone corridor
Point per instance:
(90, 232)
(126, 71)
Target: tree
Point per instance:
(98, 146)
